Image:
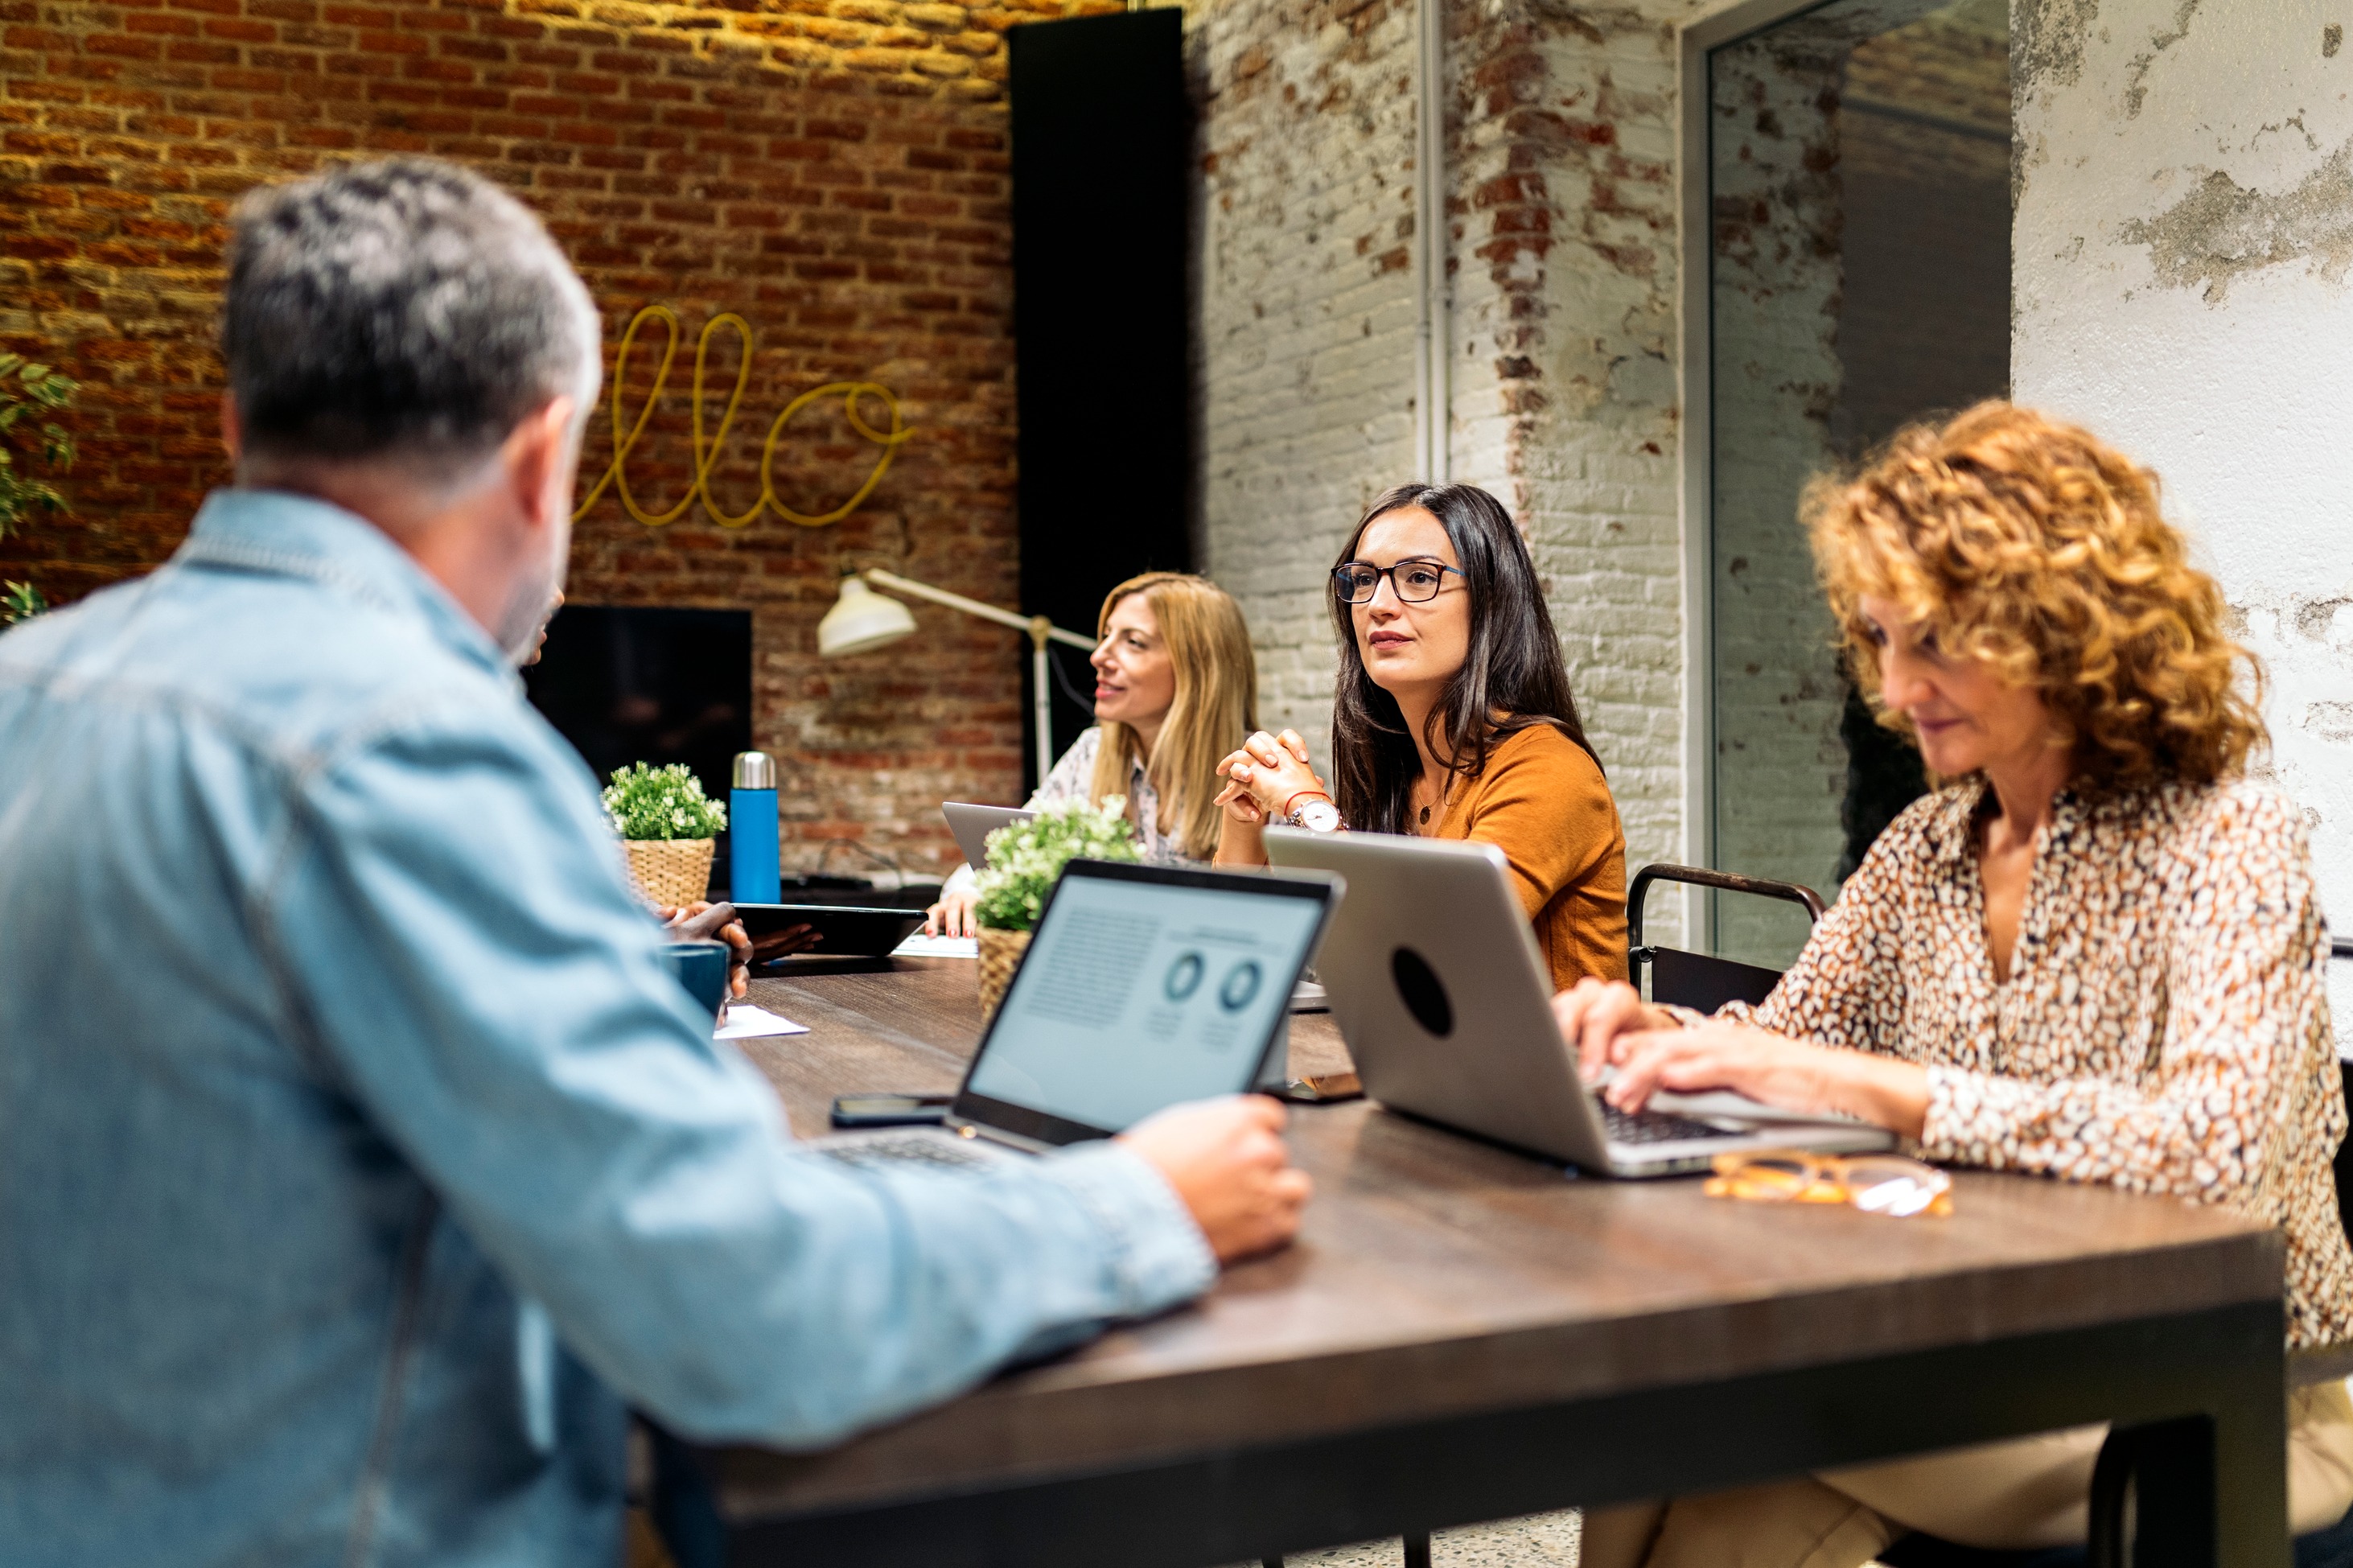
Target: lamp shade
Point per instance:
(861, 619)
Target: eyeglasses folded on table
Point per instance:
(1876, 1183)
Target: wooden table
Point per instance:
(1463, 1334)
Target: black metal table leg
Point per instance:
(2197, 1490)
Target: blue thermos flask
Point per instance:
(753, 876)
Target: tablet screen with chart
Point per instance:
(1140, 994)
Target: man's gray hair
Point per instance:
(406, 309)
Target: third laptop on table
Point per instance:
(1143, 986)
(1436, 982)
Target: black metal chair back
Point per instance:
(1702, 982)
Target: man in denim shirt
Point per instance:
(358, 1156)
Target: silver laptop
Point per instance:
(972, 825)
(1438, 986)
(1145, 985)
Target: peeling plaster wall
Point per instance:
(2183, 238)
(1561, 212)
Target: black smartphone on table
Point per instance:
(891, 1111)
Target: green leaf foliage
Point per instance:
(661, 803)
(27, 393)
(1026, 859)
(20, 601)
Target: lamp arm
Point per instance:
(897, 584)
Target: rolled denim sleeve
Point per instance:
(1159, 1254)
(454, 935)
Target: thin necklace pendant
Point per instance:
(1437, 804)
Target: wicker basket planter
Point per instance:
(670, 872)
(1000, 955)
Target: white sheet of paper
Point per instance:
(748, 1022)
(922, 947)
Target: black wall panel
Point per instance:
(1102, 139)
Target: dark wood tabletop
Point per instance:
(1436, 1277)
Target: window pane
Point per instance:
(1859, 163)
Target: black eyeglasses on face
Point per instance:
(1417, 582)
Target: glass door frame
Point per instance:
(1698, 40)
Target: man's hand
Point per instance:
(704, 920)
(1226, 1160)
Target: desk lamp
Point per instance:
(861, 620)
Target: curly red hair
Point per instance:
(2033, 546)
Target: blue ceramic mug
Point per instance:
(702, 968)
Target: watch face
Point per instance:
(1319, 816)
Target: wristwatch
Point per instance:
(1317, 816)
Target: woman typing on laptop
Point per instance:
(1453, 719)
(2096, 953)
(1176, 689)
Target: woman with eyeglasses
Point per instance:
(2095, 953)
(1453, 719)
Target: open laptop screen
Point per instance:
(1145, 987)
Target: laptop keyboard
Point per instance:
(1655, 1127)
(917, 1146)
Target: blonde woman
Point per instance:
(2095, 953)
(1176, 691)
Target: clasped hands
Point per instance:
(1644, 1049)
(1265, 776)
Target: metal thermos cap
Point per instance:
(754, 770)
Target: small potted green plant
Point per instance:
(667, 825)
(38, 392)
(1025, 860)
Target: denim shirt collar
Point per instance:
(276, 531)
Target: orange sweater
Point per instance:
(1543, 801)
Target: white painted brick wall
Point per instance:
(1307, 315)
(1562, 334)
(1565, 344)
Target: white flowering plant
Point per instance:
(661, 803)
(1026, 859)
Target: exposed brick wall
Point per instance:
(1561, 168)
(834, 170)
(1561, 214)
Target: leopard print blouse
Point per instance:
(2165, 1025)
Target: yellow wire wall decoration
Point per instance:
(706, 452)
